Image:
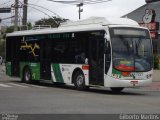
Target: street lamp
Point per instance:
(80, 10)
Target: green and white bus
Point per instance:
(114, 53)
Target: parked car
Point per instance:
(1, 60)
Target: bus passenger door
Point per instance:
(96, 61)
(45, 60)
(15, 58)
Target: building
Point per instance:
(149, 15)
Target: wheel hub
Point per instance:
(80, 79)
(28, 76)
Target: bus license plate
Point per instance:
(134, 82)
(138, 75)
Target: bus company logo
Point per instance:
(150, 23)
(65, 69)
(149, 16)
(30, 47)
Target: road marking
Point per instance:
(4, 85)
(18, 85)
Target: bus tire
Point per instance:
(79, 80)
(27, 76)
(116, 89)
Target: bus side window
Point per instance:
(81, 57)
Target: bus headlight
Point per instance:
(148, 76)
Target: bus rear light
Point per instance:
(126, 73)
(85, 67)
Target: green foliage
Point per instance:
(156, 62)
(25, 27)
(29, 25)
(54, 22)
(10, 29)
(2, 40)
(2, 48)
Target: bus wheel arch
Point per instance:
(78, 79)
(27, 74)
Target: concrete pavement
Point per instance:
(156, 75)
(2, 68)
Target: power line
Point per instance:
(76, 2)
(39, 10)
(6, 2)
(80, 3)
(45, 9)
(95, 1)
(17, 5)
(31, 5)
(45, 14)
(37, 1)
(7, 18)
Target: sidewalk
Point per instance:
(2, 68)
(156, 75)
(155, 86)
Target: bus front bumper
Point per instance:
(113, 82)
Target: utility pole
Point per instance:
(80, 10)
(24, 21)
(16, 15)
(0, 26)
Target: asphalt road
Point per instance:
(44, 98)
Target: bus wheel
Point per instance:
(116, 89)
(27, 75)
(79, 80)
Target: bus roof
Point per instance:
(92, 23)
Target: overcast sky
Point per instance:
(114, 8)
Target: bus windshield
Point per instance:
(132, 49)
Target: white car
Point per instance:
(1, 60)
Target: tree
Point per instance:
(54, 22)
(9, 29)
(29, 24)
(2, 48)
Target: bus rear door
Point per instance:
(45, 60)
(15, 56)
